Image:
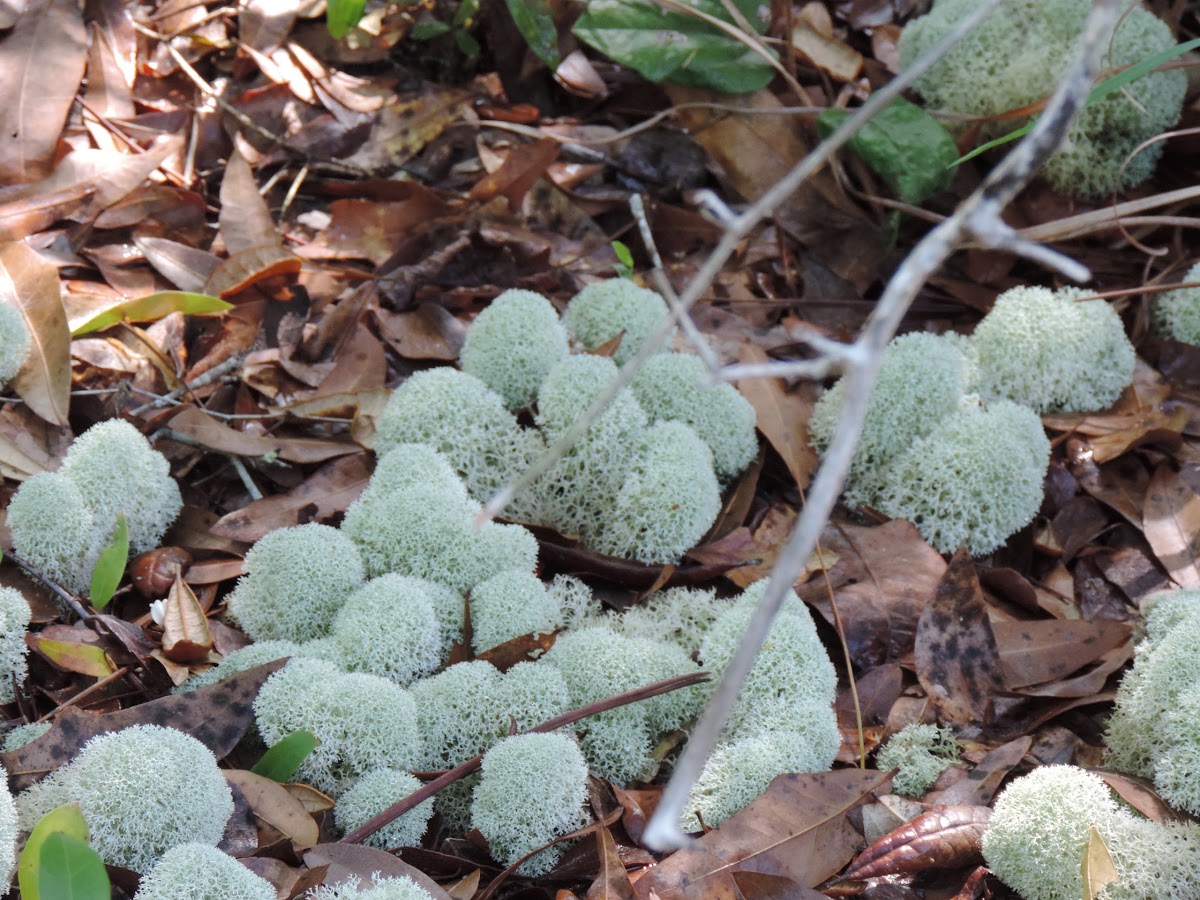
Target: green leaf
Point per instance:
(663, 45)
(57, 861)
(110, 566)
(904, 145)
(424, 31)
(280, 761)
(465, 15)
(342, 15)
(536, 24)
(624, 259)
(153, 307)
(1108, 86)
(467, 44)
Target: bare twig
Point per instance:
(978, 217)
(570, 717)
(59, 591)
(216, 373)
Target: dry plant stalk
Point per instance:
(976, 222)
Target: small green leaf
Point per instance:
(57, 861)
(110, 567)
(663, 45)
(424, 31)
(467, 44)
(342, 15)
(904, 145)
(535, 21)
(280, 761)
(465, 15)
(153, 307)
(624, 259)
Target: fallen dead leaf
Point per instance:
(30, 283)
(782, 418)
(797, 829)
(613, 881)
(942, 837)
(271, 802)
(1172, 525)
(956, 657)
(1051, 649)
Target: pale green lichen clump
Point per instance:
(617, 307)
(532, 790)
(117, 471)
(976, 479)
(668, 501)
(14, 342)
(1049, 351)
(1016, 57)
(296, 580)
(463, 419)
(362, 721)
(674, 386)
(373, 792)
(8, 832)
(1177, 312)
(62, 520)
(512, 345)
(921, 753)
(388, 627)
(200, 872)
(509, 605)
(402, 888)
(783, 720)
(1039, 831)
(131, 786)
(921, 381)
(14, 652)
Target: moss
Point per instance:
(921, 753)
(606, 309)
(200, 872)
(373, 792)
(388, 627)
(1177, 313)
(14, 342)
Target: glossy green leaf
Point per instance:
(71, 870)
(342, 15)
(57, 861)
(281, 760)
(664, 45)
(906, 146)
(153, 307)
(424, 31)
(536, 24)
(624, 265)
(110, 567)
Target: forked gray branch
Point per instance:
(977, 219)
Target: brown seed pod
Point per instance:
(153, 572)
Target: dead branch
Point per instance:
(977, 219)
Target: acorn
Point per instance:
(153, 572)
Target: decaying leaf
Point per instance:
(1172, 525)
(367, 863)
(613, 881)
(798, 829)
(1051, 649)
(186, 635)
(782, 418)
(1097, 868)
(941, 837)
(30, 283)
(217, 716)
(272, 803)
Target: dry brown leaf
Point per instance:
(613, 881)
(329, 490)
(525, 164)
(986, 776)
(271, 802)
(955, 651)
(406, 125)
(186, 635)
(427, 332)
(942, 837)
(186, 267)
(1097, 868)
(247, 268)
(759, 886)
(30, 283)
(798, 829)
(782, 418)
(28, 444)
(368, 229)
(217, 716)
(41, 64)
(245, 220)
(367, 863)
(1172, 525)
(883, 578)
(1051, 649)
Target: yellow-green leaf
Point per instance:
(86, 659)
(58, 864)
(153, 307)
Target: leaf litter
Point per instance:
(336, 280)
